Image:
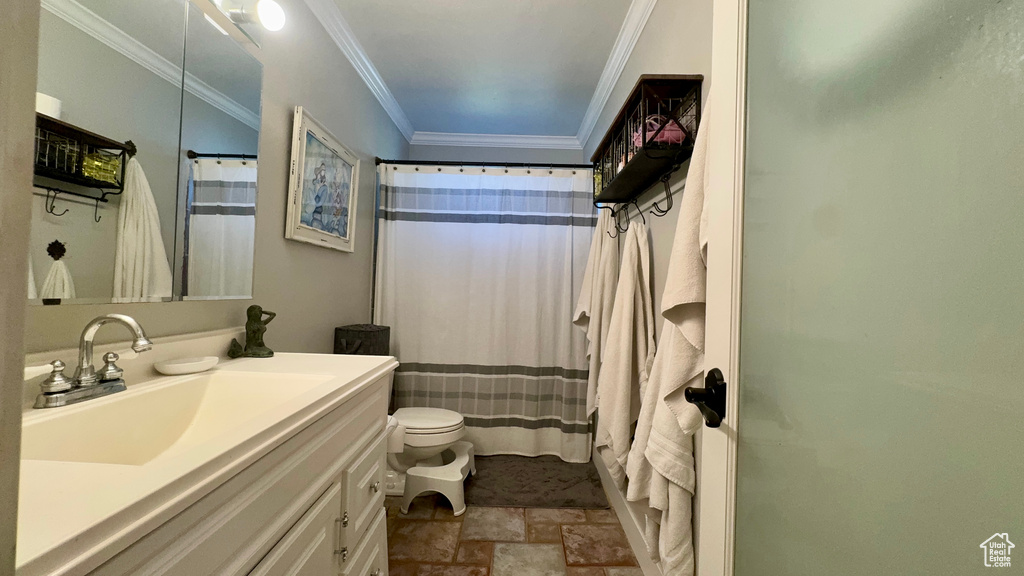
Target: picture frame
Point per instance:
(323, 185)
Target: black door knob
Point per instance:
(710, 399)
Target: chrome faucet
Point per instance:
(59, 390)
(85, 375)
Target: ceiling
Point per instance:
(501, 67)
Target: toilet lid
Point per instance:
(428, 420)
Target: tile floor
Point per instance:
(430, 541)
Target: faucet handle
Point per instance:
(56, 381)
(110, 371)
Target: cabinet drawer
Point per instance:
(363, 492)
(307, 549)
(371, 555)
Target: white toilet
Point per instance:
(426, 455)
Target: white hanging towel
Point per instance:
(594, 308)
(58, 282)
(660, 466)
(627, 356)
(141, 271)
(32, 295)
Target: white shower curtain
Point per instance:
(477, 274)
(221, 229)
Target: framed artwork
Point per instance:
(322, 187)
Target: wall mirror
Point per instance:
(147, 128)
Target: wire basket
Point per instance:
(654, 131)
(67, 153)
(102, 165)
(56, 152)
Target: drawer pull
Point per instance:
(343, 553)
(376, 488)
(344, 519)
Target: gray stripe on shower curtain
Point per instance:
(496, 401)
(566, 373)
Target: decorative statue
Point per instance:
(255, 328)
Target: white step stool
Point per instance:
(446, 479)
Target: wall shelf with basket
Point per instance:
(652, 134)
(67, 154)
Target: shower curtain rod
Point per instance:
(378, 161)
(192, 154)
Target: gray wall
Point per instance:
(19, 30)
(470, 154)
(312, 289)
(676, 40)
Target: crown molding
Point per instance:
(113, 37)
(636, 18)
(329, 15)
(494, 140)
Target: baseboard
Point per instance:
(630, 516)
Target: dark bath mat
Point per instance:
(541, 482)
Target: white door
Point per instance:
(717, 473)
(869, 156)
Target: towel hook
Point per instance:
(639, 211)
(96, 211)
(51, 202)
(657, 210)
(615, 221)
(622, 230)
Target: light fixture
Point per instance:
(268, 13)
(271, 14)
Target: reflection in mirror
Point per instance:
(219, 140)
(113, 182)
(93, 98)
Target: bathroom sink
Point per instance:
(161, 420)
(98, 473)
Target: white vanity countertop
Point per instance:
(70, 509)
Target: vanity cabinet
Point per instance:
(312, 505)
